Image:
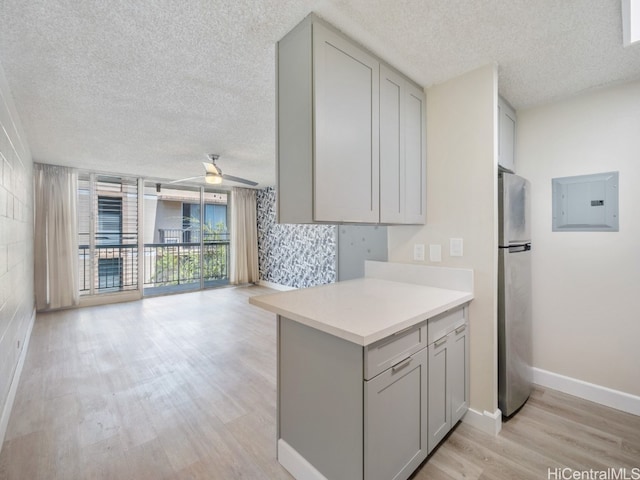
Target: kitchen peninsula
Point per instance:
(373, 372)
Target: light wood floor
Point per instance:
(184, 386)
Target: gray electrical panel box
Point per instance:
(586, 203)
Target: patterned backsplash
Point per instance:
(293, 255)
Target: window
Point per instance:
(109, 221)
(107, 234)
(109, 273)
(179, 255)
(215, 222)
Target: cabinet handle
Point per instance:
(401, 365)
(437, 343)
(400, 332)
(460, 329)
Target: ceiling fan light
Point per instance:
(213, 179)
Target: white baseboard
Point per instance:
(109, 298)
(296, 464)
(275, 286)
(589, 391)
(8, 406)
(488, 422)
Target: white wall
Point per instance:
(16, 247)
(586, 286)
(461, 202)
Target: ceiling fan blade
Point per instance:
(211, 168)
(185, 179)
(239, 180)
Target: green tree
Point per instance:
(180, 263)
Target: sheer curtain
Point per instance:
(56, 239)
(244, 236)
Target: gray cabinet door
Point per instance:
(395, 427)
(506, 135)
(346, 162)
(448, 383)
(439, 394)
(458, 372)
(415, 157)
(392, 146)
(402, 150)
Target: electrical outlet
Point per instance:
(455, 247)
(418, 252)
(435, 253)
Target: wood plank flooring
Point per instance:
(184, 387)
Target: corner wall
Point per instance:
(461, 202)
(17, 307)
(293, 255)
(586, 285)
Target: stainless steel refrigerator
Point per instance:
(514, 293)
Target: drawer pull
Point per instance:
(400, 332)
(401, 365)
(440, 342)
(460, 329)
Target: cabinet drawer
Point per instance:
(445, 323)
(389, 351)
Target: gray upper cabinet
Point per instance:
(507, 122)
(346, 167)
(348, 146)
(402, 150)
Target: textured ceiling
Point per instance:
(148, 88)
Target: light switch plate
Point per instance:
(418, 252)
(435, 253)
(455, 247)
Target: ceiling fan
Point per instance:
(213, 174)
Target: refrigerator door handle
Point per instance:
(518, 248)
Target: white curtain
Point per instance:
(244, 236)
(56, 239)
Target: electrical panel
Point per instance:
(586, 203)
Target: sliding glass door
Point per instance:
(186, 236)
(184, 244)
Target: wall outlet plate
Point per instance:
(418, 252)
(455, 247)
(435, 253)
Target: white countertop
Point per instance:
(362, 311)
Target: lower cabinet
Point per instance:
(448, 383)
(395, 425)
(459, 372)
(349, 412)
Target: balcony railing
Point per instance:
(189, 235)
(167, 266)
(174, 264)
(115, 268)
